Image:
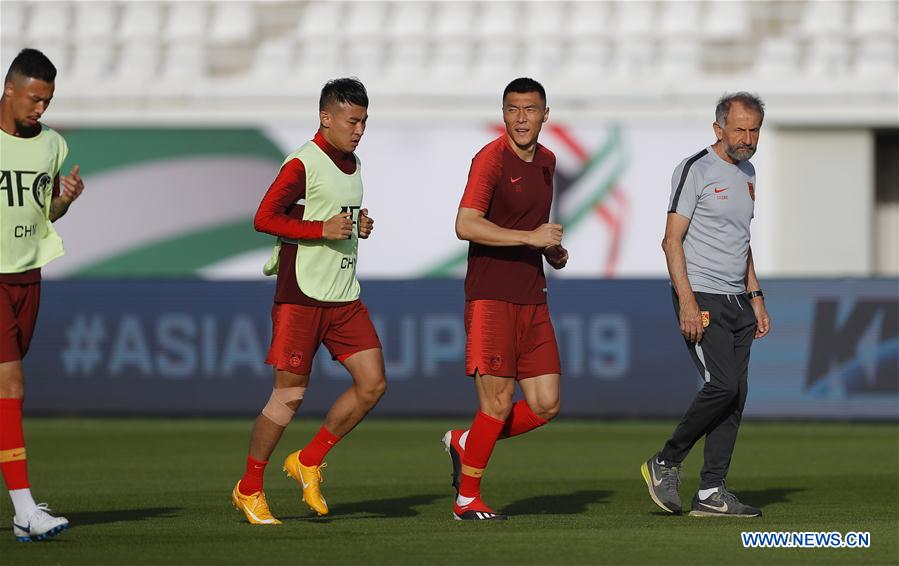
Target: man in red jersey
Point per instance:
(504, 214)
(314, 208)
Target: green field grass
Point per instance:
(156, 491)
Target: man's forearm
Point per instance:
(677, 269)
(481, 231)
(58, 208)
(752, 282)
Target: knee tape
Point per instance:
(277, 410)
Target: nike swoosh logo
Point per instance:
(722, 508)
(720, 190)
(17, 455)
(256, 518)
(26, 529)
(515, 180)
(302, 481)
(655, 482)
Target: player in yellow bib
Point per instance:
(31, 199)
(314, 208)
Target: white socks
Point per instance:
(23, 502)
(705, 493)
(463, 501)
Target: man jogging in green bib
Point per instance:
(32, 197)
(314, 208)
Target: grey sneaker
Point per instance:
(722, 503)
(663, 482)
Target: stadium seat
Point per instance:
(679, 20)
(407, 57)
(825, 18)
(138, 59)
(94, 21)
(681, 58)
(878, 57)
(9, 48)
(453, 19)
(451, 59)
(49, 20)
(543, 58)
(93, 59)
(186, 20)
(827, 56)
(874, 18)
(274, 58)
(319, 19)
(495, 20)
(729, 20)
(634, 57)
(777, 57)
(589, 58)
(232, 22)
(363, 20)
(590, 20)
(140, 20)
(185, 59)
(363, 57)
(635, 20)
(497, 58)
(545, 21)
(317, 57)
(12, 20)
(409, 19)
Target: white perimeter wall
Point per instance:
(823, 185)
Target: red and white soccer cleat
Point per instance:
(474, 509)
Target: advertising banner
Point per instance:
(197, 348)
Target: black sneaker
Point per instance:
(722, 503)
(663, 482)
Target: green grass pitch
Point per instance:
(157, 491)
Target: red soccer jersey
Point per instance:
(514, 194)
(281, 214)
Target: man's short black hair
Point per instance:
(524, 85)
(33, 64)
(347, 90)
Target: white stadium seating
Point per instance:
(146, 48)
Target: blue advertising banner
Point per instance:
(197, 348)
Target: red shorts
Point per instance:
(298, 331)
(510, 340)
(18, 315)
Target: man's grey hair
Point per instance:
(747, 99)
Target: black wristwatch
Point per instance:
(754, 294)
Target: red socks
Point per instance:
(318, 447)
(521, 420)
(482, 437)
(251, 482)
(12, 445)
(312, 455)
